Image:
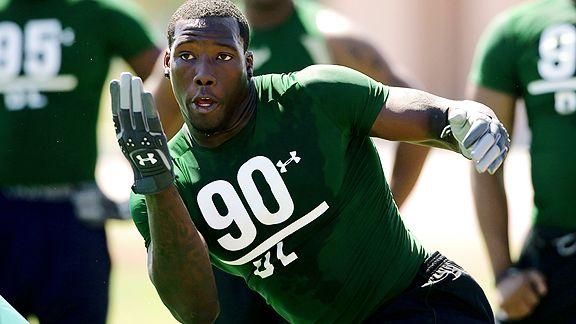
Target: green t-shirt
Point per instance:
(297, 203)
(292, 45)
(530, 52)
(54, 58)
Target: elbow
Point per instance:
(206, 316)
(187, 306)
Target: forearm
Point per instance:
(178, 260)
(408, 164)
(492, 212)
(416, 116)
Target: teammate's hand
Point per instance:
(480, 135)
(519, 293)
(140, 136)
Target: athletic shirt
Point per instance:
(297, 203)
(294, 44)
(530, 52)
(54, 58)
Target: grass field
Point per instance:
(439, 212)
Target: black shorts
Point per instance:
(52, 264)
(442, 293)
(553, 252)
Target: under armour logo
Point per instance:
(150, 159)
(283, 165)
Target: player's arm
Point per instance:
(177, 257)
(362, 56)
(178, 262)
(467, 127)
(519, 291)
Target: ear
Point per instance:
(249, 64)
(167, 64)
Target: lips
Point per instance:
(204, 103)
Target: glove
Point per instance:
(140, 136)
(481, 138)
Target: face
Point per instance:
(209, 72)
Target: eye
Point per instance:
(224, 57)
(186, 56)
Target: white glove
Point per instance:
(481, 138)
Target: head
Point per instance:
(208, 63)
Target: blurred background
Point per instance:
(430, 41)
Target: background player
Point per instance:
(528, 53)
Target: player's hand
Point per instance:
(519, 293)
(140, 136)
(480, 135)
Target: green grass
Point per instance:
(133, 299)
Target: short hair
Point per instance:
(194, 9)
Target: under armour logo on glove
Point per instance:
(150, 159)
(140, 135)
(481, 138)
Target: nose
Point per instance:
(204, 76)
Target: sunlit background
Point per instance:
(432, 42)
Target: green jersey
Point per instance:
(530, 52)
(297, 203)
(54, 58)
(294, 44)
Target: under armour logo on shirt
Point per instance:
(150, 159)
(283, 165)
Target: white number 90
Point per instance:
(236, 211)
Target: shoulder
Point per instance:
(325, 74)
(531, 17)
(179, 145)
(310, 76)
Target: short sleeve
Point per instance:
(139, 214)
(126, 32)
(352, 99)
(494, 64)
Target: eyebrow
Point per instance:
(217, 43)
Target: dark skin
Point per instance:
(207, 58)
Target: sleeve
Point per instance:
(126, 32)
(351, 99)
(139, 214)
(494, 64)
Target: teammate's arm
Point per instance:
(143, 62)
(467, 127)
(159, 85)
(519, 291)
(362, 56)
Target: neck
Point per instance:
(211, 140)
(260, 16)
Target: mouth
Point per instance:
(204, 104)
